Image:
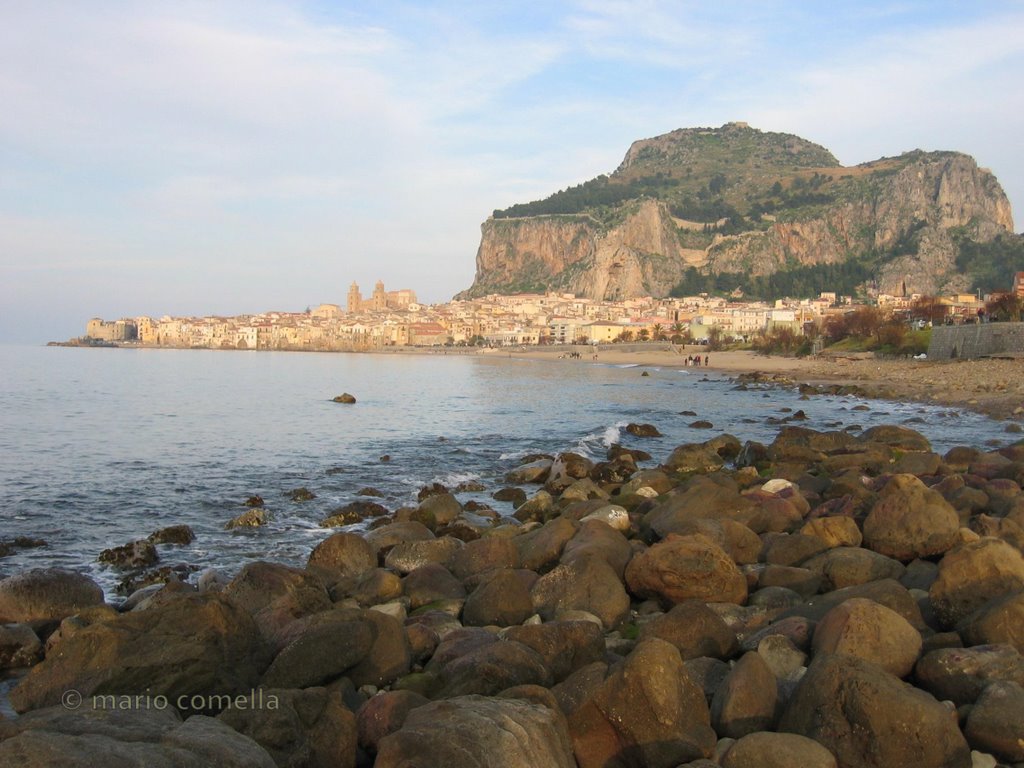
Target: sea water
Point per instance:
(99, 447)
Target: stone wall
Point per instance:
(980, 340)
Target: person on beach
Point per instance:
(705, 361)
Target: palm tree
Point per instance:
(659, 333)
(644, 334)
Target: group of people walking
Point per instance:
(695, 360)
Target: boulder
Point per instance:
(648, 712)
(540, 549)
(995, 724)
(383, 714)
(848, 566)
(910, 520)
(484, 554)
(777, 750)
(382, 539)
(19, 646)
(195, 644)
(745, 702)
(740, 543)
(353, 512)
(253, 518)
(694, 457)
(867, 717)
(642, 430)
(564, 646)
(532, 472)
(407, 556)
(172, 534)
(372, 587)
(793, 549)
(894, 436)
(490, 668)
(324, 648)
(999, 621)
(684, 568)
(341, 555)
(442, 508)
(961, 674)
(566, 468)
(345, 398)
(275, 595)
(125, 739)
(310, 728)
(478, 732)
(585, 583)
(694, 629)
(972, 574)
(869, 631)
(783, 658)
(45, 595)
(431, 583)
(886, 592)
(389, 656)
(703, 497)
(835, 531)
(502, 598)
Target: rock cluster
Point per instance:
(825, 600)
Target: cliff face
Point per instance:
(903, 215)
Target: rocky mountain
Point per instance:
(768, 213)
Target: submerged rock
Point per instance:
(344, 397)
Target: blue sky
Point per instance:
(223, 157)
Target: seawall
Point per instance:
(978, 340)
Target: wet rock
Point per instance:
(961, 674)
(848, 566)
(382, 539)
(643, 430)
(353, 512)
(566, 468)
(694, 457)
(19, 646)
(167, 574)
(746, 701)
(407, 556)
(683, 568)
(540, 549)
(133, 737)
(173, 534)
(514, 495)
(564, 646)
(254, 501)
(910, 520)
(586, 583)
(475, 732)
(533, 472)
(972, 574)
(344, 397)
(301, 494)
(647, 712)
(894, 436)
(341, 555)
(369, 587)
(1000, 621)
(46, 594)
(442, 508)
(869, 631)
(311, 728)
(995, 725)
(502, 598)
(254, 518)
(133, 555)
(777, 750)
(195, 644)
(695, 630)
(596, 538)
(537, 508)
(867, 717)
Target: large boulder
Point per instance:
(745, 702)
(46, 594)
(910, 520)
(597, 537)
(311, 728)
(996, 722)
(125, 738)
(974, 573)
(540, 549)
(848, 566)
(777, 750)
(648, 712)
(961, 674)
(1000, 621)
(701, 498)
(564, 646)
(407, 556)
(326, 646)
(869, 631)
(19, 646)
(478, 732)
(484, 554)
(685, 568)
(276, 595)
(903, 438)
(694, 629)
(195, 644)
(342, 555)
(383, 714)
(586, 583)
(431, 583)
(868, 718)
(502, 598)
(491, 667)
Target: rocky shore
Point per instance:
(829, 599)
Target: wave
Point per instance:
(588, 445)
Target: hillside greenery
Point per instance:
(992, 264)
(844, 277)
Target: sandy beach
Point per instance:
(994, 387)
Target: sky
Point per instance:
(190, 158)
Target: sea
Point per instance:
(100, 447)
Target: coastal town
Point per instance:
(388, 319)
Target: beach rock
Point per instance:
(377, 585)
(254, 518)
(533, 472)
(683, 568)
(972, 574)
(848, 566)
(777, 750)
(739, 542)
(961, 674)
(919, 463)
(1000, 621)
(383, 714)
(341, 555)
(172, 534)
(836, 531)
(431, 583)
(894, 436)
(477, 732)
(516, 496)
(502, 598)
(407, 556)
(867, 717)
(537, 508)
(564, 646)
(869, 631)
(484, 554)
(774, 599)
(596, 538)
(797, 629)
(19, 646)
(793, 549)
(322, 651)
(44, 595)
(195, 644)
(800, 580)
(746, 700)
(612, 515)
(344, 397)
(382, 539)
(310, 728)
(125, 738)
(442, 508)
(694, 629)
(353, 512)
(648, 712)
(540, 549)
(910, 520)
(708, 674)
(582, 490)
(490, 668)
(885, 592)
(389, 656)
(995, 725)
(586, 583)
(783, 658)
(702, 498)
(643, 430)
(275, 595)
(693, 457)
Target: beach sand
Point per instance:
(992, 386)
